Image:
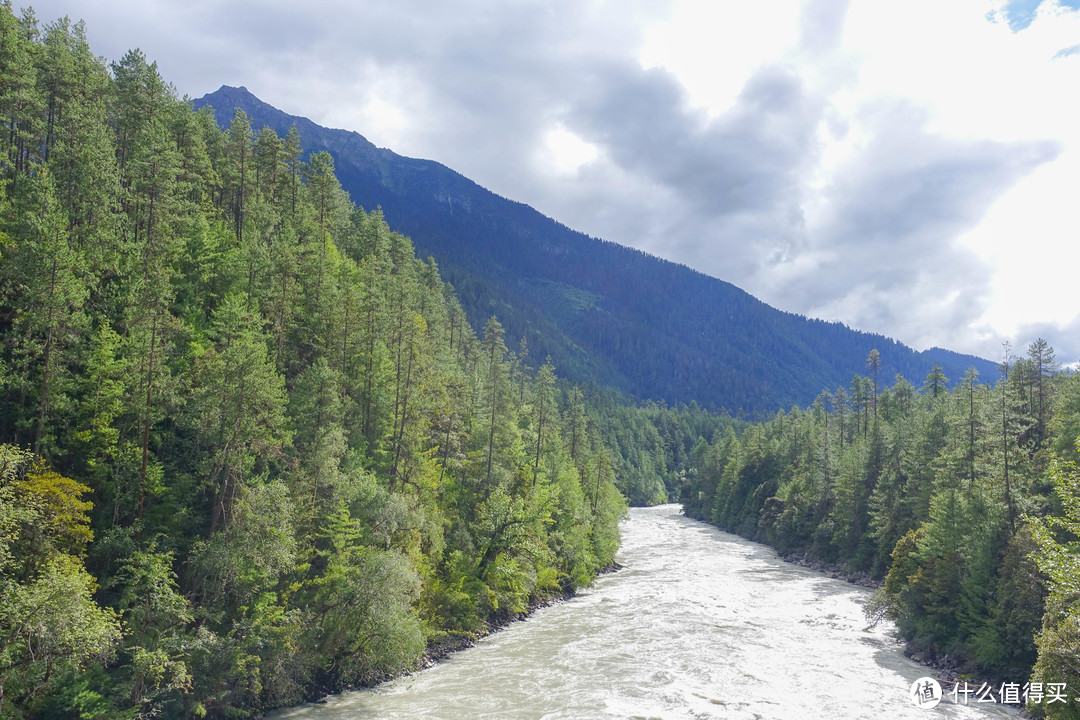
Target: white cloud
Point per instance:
(565, 152)
(907, 168)
(962, 80)
(713, 47)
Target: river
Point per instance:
(698, 624)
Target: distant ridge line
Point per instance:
(607, 314)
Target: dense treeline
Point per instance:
(652, 445)
(608, 315)
(251, 448)
(254, 451)
(941, 493)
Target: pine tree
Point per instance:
(238, 408)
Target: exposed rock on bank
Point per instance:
(860, 578)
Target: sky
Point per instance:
(905, 168)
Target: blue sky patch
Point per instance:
(1020, 13)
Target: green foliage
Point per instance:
(270, 456)
(925, 491)
(363, 602)
(155, 672)
(50, 624)
(607, 315)
(1058, 558)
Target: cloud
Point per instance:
(802, 150)
(742, 161)
(884, 234)
(822, 25)
(1020, 14)
(1063, 337)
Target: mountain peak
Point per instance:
(605, 313)
(228, 97)
(315, 137)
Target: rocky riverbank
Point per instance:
(452, 642)
(947, 670)
(863, 579)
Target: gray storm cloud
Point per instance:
(479, 86)
(893, 215)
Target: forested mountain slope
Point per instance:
(966, 503)
(605, 313)
(250, 449)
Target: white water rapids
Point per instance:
(698, 624)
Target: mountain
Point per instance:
(605, 313)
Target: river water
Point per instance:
(698, 624)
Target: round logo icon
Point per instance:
(925, 693)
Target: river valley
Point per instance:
(698, 624)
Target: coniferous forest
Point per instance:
(253, 450)
(608, 314)
(964, 502)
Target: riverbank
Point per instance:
(454, 642)
(946, 669)
(860, 578)
(698, 624)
